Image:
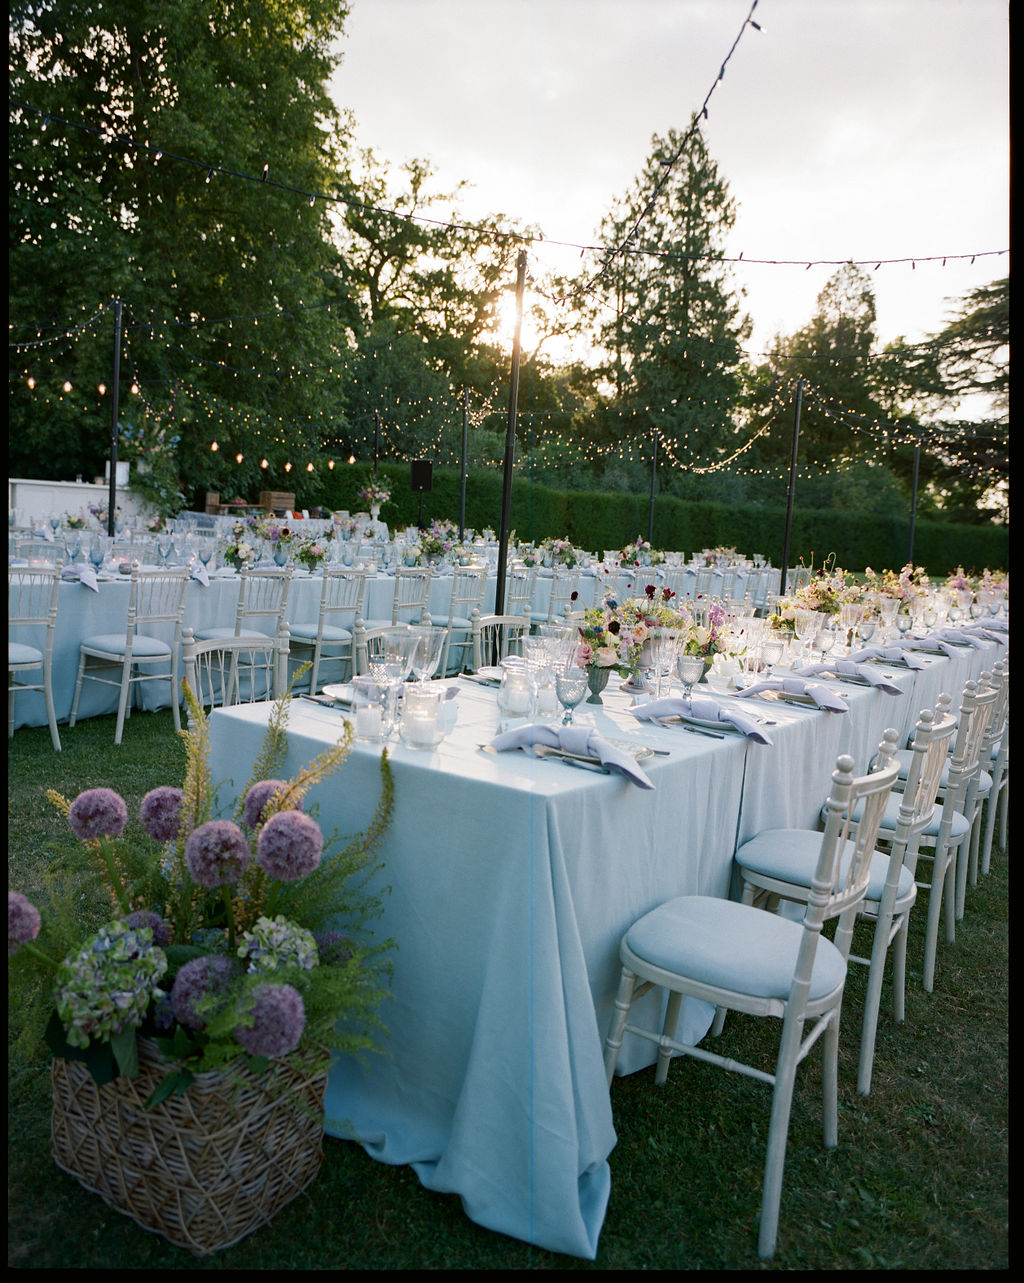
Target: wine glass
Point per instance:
(389, 656)
(427, 652)
(165, 545)
(825, 638)
(805, 626)
(690, 669)
(570, 686)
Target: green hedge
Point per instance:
(597, 521)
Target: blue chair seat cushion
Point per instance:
(791, 855)
(18, 654)
(732, 946)
(308, 632)
(462, 624)
(113, 645)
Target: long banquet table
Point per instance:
(511, 883)
(83, 611)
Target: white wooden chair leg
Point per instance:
(613, 1043)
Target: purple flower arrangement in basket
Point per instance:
(225, 942)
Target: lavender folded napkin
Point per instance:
(847, 668)
(705, 710)
(200, 572)
(822, 696)
(888, 654)
(982, 630)
(578, 740)
(85, 575)
(962, 636)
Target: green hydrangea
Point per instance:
(276, 942)
(108, 984)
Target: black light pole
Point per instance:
(112, 486)
(465, 443)
(792, 487)
(913, 503)
(376, 441)
(654, 473)
(510, 439)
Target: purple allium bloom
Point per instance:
(289, 846)
(216, 853)
(278, 1019)
(98, 813)
(145, 918)
(160, 812)
(201, 978)
(22, 921)
(333, 947)
(256, 802)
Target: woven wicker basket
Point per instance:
(203, 1169)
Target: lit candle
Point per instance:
(368, 722)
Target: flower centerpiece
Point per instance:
(905, 585)
(709, 634)
(240, 550)
(313, 550)
(561, 551)
(238, 956)
(613, 635)
(155, 523)
(440, 537)
(374, 493)
(640, 553)
(75, 521)
(279, 535)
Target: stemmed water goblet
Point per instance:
(98, 550)
(825, 638)
(73, 544)
(866, 627)
(165, 545)
(772, 649)
(571, 686)
(690, 669)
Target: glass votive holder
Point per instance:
(368, 709)
(423, 722)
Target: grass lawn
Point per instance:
(919, 1180)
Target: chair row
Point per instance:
(766, 955)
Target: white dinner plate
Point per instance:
(341, 692)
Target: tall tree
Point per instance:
(139, 135)
(664, 307)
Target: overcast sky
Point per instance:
(864, 129)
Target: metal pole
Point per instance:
(510, 439)
(792, 486)
(654, 473)
(376, 441)
(112, 487)
(465, 446)
(913, 503)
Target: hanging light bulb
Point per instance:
(103, 389)
(31, 381)
(214, 447)
(264, 463)
(238, 458)
(287, 467)
(67, 385)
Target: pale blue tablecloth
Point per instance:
(512, 881)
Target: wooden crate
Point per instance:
(213, 501)
(277, 500)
